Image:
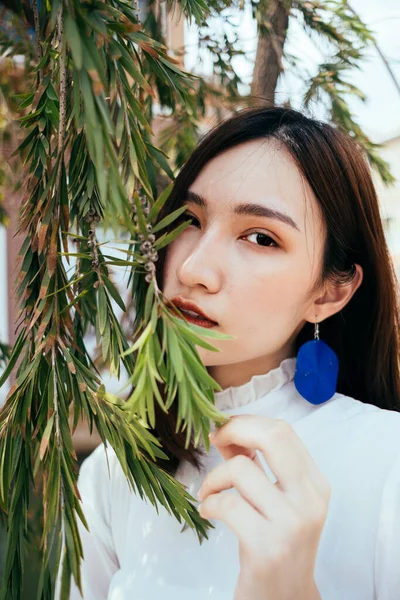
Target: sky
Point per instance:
(380, 115)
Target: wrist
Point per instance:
(315, 593)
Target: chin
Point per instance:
(207, 357)
(214, 359)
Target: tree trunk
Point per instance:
(273, 20)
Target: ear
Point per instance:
(334, 297)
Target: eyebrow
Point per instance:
(255, 210)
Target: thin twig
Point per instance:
(55, 398)
(92, 243)
(381, 55)
(136, 8)
(137, 186)
(388, 67)
(63, 92)
(58, 440)
(37, 32)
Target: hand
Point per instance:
(278, 525)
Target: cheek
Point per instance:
(279, 278)
(271, 296)
(170, 262)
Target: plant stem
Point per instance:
(381, 55)
(63, 92)
(37, 31)
(55, 398)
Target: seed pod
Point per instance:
(152, 238)
(145, 246)
(149, 227)
(149, 277)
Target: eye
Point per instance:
(262, 239)
(187, 216)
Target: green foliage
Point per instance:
(89, 154)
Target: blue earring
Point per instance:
(317, 369)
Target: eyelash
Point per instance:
(187, 215)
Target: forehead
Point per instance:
(260, 171)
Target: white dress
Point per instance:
(132, 553)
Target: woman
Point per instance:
(285, 242)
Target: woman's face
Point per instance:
(252, 270)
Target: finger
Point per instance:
(283, 450)
(253, 485)
(236, 513)
(233, 450)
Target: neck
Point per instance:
(236, 374)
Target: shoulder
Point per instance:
(370, 419)
(96, 467)
(362, 461)
(387, 556)
(362, 438)
(350, 415)
(373, 433)
(101, 477)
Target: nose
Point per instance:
(202, 266)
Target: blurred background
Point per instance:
(339, 61)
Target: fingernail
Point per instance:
(211, 436)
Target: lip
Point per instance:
(183, 304)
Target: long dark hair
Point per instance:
(365, 334)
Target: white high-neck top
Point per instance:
(132, 553)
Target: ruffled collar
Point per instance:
(256, 387)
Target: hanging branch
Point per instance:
(346, 36)
(88, 143)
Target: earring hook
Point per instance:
(316, 330)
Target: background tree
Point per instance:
(335, 29)
(337, 32)
(98, 77)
